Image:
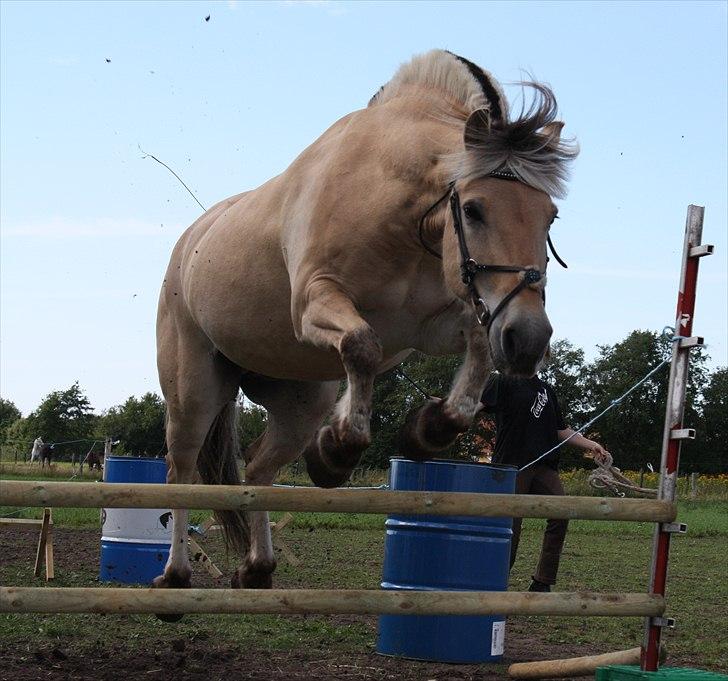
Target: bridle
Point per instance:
(470, 268)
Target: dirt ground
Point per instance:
(110, 654)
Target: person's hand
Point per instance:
(599, 454)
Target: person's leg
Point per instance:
(546, 481)
(523, 484)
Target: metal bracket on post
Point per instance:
(692, 342)
(700, 251)
(668, 622)
(674, 528)
(683, 434)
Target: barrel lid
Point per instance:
(455, 462)
(123, 457)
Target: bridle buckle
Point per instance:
(482, 313)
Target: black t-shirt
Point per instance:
(527, 417)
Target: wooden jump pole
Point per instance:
(573, 666)
(327, 602)
(351, 500)
(576, 666)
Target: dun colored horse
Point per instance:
(419, 222)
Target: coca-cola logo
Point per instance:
(539, 403)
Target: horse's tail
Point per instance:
(218, 465)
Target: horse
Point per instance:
(46, 453)
(35, 452)
(94, 460)
(419, 222)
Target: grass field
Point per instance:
(345, 551)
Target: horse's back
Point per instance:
(233, 272)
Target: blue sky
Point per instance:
(88, 224)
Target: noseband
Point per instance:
(470, 268)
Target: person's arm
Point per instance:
(578, 440)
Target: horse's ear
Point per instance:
(553, 130)
(477, 128)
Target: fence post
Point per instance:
(673, 432)
(693, 485)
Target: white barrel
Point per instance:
(135, 542)
(139, 525)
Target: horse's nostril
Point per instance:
(509, 343)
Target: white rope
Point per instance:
(607, 476)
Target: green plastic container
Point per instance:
(622, 672)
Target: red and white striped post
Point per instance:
(674, 432)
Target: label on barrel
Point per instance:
(498, 638)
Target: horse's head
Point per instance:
(494, 246)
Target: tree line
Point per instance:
(67, 419)
(631, 431)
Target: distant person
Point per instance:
(528, 423)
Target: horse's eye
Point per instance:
(471, 212)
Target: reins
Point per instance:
(470, 268)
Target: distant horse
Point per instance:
(35, 452)
(46, 453)
(419, 222)
(94, 460)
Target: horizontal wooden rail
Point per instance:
(327, 602)
(350, 500)
(22, 523)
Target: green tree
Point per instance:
(712, 431)
(64, 415)
(138, 424)
(9, 413)
(633, 430)
(252, 422)
(564, 370)
(19, 442)
(395, 395)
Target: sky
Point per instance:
(87, 224)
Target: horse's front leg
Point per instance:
(434, 425)
(331, 321)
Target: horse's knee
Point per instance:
(361, 351)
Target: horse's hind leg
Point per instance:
(198, 383)
(295, 411)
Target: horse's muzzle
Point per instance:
(519, 344)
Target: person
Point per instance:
(529, 423)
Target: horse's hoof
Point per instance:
(427, 431)
(172, 580)
(330, 459)
(251, 580)
(258, 576)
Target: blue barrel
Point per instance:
(448, 553)
(134, 541)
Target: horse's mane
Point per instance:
(528, 146)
